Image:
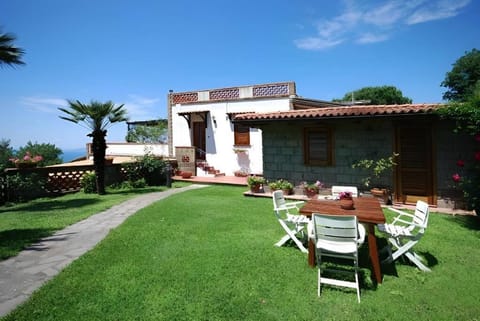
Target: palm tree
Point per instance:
(9, 54)
(97, 117)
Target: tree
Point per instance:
(10, 55)
(148, 133)
(97, 117)
(463, 77)
(6, 152)
(380, 95)
(49, 152)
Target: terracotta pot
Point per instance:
(25, 165)
(347, 204)
(186, 174)
(310, 193)
(256, 188)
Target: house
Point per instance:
(323, 143)
(203, 137)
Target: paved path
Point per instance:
(21, 275)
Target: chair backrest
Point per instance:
(420, 217)
(336, 190)
(337, 228)
(278, 200)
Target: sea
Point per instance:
(72, 154)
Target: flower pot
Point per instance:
(25, 165)
(186, 174)
(347, 204)
(256, 188)
(310, 193)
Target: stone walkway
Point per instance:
(21, 275)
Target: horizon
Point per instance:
(134, 52)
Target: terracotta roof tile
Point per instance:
(341, 111)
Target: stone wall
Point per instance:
(361, 139)
(353, 140)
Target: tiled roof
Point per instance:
(341, 112)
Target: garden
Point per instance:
(213, 258)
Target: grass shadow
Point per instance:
(14, 241)
(468, 221)
(54, 204)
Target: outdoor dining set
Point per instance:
(336, 226)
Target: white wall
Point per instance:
(135, 149)
(220, 134)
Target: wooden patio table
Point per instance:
(367, 210)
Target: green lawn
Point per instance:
(208, 254)
(24, 223)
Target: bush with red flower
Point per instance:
(467, 118)
(27, 159)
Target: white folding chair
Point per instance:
(337, 236)
(291, 221)
(404, 232)
(336, 190)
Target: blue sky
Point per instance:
(133, 52)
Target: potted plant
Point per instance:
(240, 173)
(311, 189)
(376, 168)
(255, 183)
(282, 184)
(27, 161)
(346, 200)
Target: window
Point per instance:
(318, 146)
(242, 134)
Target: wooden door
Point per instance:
(199, 139)
(414, 172)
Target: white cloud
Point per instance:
(371, 38)
(366, 24)
(45, 105)
(436, 11)
(138, 107)
(316, 43)
(385, 15)
(142, 108)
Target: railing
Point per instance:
(60, 179)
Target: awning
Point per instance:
(188, 116)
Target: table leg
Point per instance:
(372, 246)
(311, 252)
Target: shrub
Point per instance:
(88, 183)
(23, 187)
(148, 167)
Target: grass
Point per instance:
(208, 254)
(24, 223)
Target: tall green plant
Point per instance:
(97, 117)
(375, 167)
(467, 118)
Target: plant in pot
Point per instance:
(376, 168)
(282, 184)
(255, 183)
(310, 190)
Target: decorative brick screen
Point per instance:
(184, 98)
(270, 90)
(186, 158)
(225, 94)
